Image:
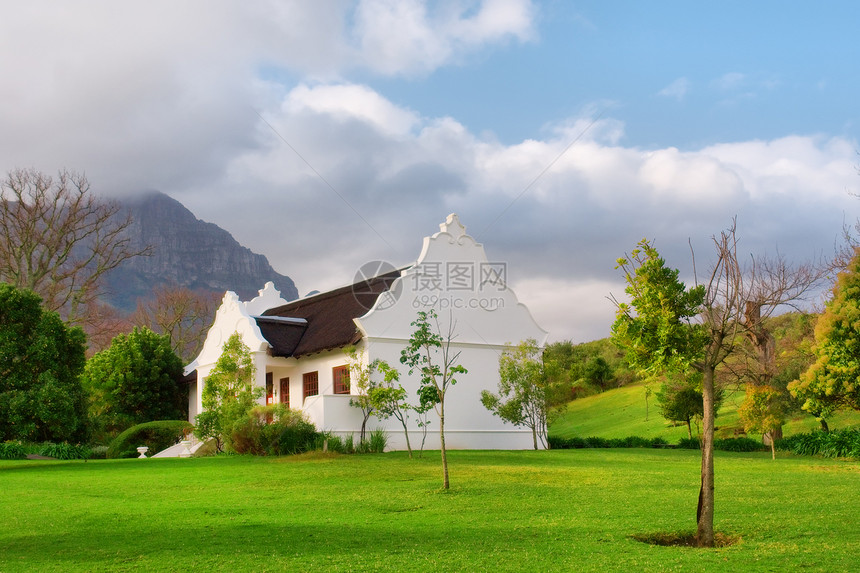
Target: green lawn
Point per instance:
(568, 510)
(622, 412)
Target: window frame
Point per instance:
(338, 375)
(310, 384)
(284, 388)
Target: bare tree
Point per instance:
(774, 283)
(58, 240)
(101, 323)
(721, 312)
(737, 302)
(180, 313)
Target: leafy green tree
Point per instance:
(680, 399)
(598, 372)
(429, 353)
(833, 380)
(526, 395)
(362, 383)
(135, 380)
(41, 359)
(228, 394)
(658, 332)
(763, 411)
(389, 398)
(427, 400)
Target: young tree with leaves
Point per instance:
(389, 398)
(658, 330)
(229, 393)
(526, 395)
(662, 335)
(362, 385)
(430, 354)
(762, 411)
(135, 380)
(680, 399)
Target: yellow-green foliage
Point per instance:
(832, 381)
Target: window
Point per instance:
(270, 388)
(285, 392)
(340, 375)
(311, 383)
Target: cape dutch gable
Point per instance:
(298, 347)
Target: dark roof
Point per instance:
(328, 318)
(284, 334)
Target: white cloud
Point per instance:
(170, 90)
(730, 81)
(560, 237)
(352, 102)
(677, 89)
(409, 36)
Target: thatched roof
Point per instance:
(323, 321)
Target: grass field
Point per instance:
(621, 412)
(569, 510)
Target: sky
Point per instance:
(325, 135)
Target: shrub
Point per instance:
(98, 452)
(690, 443)
(326, 441)
(837, 443)
(12, 451)
(738, 445)
(155, 435)
(349, 444)
(557, 443)
(272, 430)
(378, 441)
(65, 451)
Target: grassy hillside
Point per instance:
(621, 412)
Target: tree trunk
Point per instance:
(445, 483)
(705, 513)
(534, 436)
(689, 429)
(363, 426)
(824, 425)
(406, 435)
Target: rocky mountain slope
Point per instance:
(186, 252)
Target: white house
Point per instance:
(298, 347)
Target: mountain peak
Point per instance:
(186, 252)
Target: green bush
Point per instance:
(272, 431)
(739, 445)
(378, 441)
(12, 451)
(690, 443)
(65, 451)
(556, 443)
(98, 452)
(834, 444)
(155, 435)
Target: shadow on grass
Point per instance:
(684, 539)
